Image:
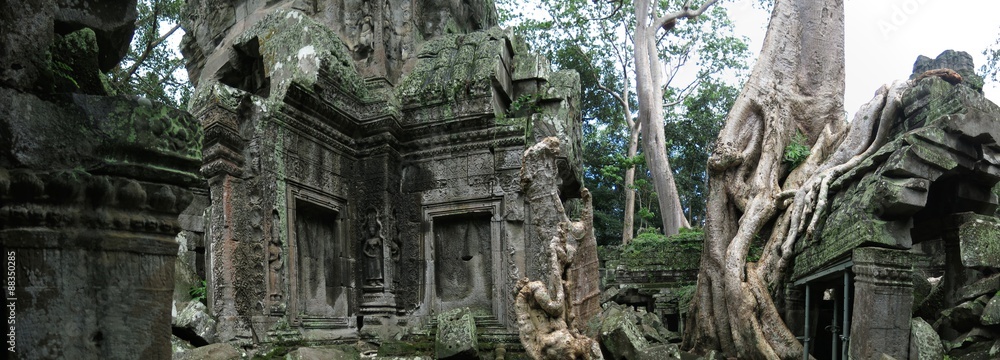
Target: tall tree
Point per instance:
(650, 80)
(150, 69)
(690, 134)
(598, 38)
(794, 94)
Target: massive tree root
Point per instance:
(544, 307)
(796, 87)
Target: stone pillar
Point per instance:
(223, 166)
(378, 241)
(90, 192)
(883, 298)
(795, 305)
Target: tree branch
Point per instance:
(617, 96)
(684, 13)
(618, 6)
(149, 50)
(685, 92)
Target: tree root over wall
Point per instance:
(796, 87)
(544, 308)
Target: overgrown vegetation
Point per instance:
(593, 38)
(797, 151)
(198, 292)
(651, 249)
(153, 67)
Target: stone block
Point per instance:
(660, 352)
(991, 313)
(221, 351)
(883, 297)
(960, 318)
(975, 345)
(456, 335)
(925, 344)
(179, 347)
(620, 335)
(322, 353)
(194, 324)
(987, 286)
(980, 242)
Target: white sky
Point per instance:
(884, 37)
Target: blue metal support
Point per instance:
(845, 336)
(805, 336)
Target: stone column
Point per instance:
(90, 192)
(795, 305)
(223, 166)
(883, 298)
(380, 189)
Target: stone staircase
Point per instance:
(490, 335)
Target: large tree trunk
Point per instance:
(628, 231)
(649, 90)
(796, 86)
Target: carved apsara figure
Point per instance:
(373, 268)
(274, 261)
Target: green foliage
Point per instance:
(796, 151)
(594, 38)
(651, 249)
(691, 132)
(64, 71)
(991, 69)
(198, 292)
(153, 67)
(684, 293)
(527, 102)
(756, 249)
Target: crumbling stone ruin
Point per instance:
(905, 263)
(363, 160)
(92, 188)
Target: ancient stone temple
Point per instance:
(906, 259)
(364, 163)
(91, 188)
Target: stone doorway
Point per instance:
(828, 297)
(322, 269)
(465, 257)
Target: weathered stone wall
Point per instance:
(382, 37)
(407, 159)
(91, 187)
(915, 194)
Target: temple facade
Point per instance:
(364, 163)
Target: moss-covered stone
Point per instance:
(653, 251)
(456, 335)
(458, 66)
(925, 344)
(980, 242)
(991, 313)
(619, 333)
(296, 48)
(323, 352)
(74, 63)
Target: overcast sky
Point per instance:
(884, 37)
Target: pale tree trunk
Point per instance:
(796, 86)
(633, 148)
(649, 89)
